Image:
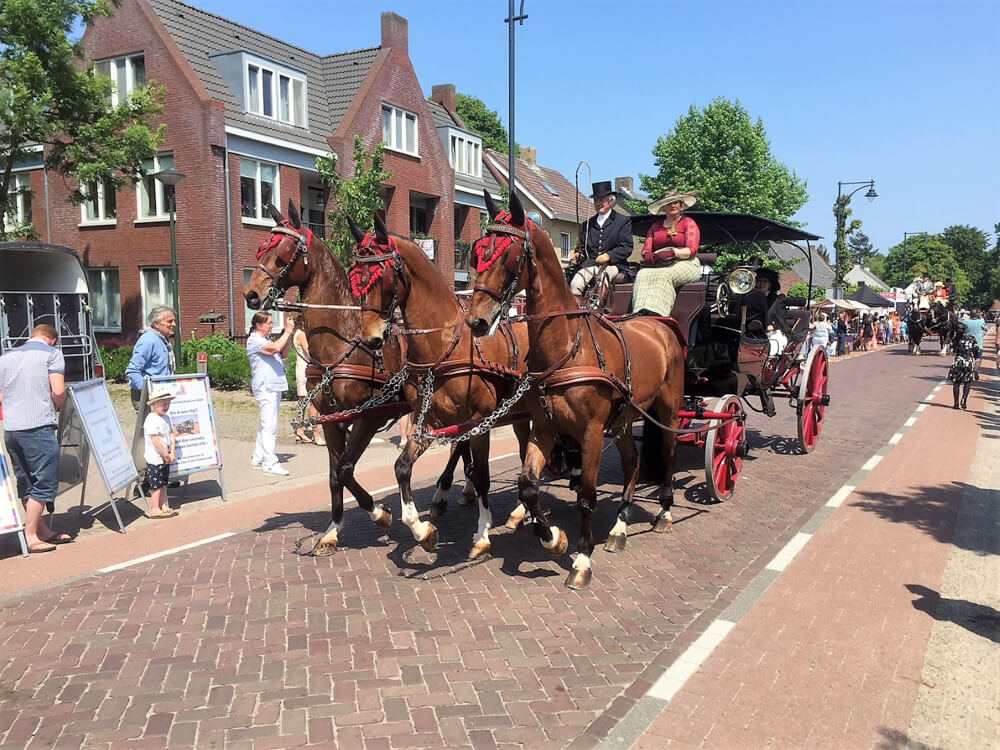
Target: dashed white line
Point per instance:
(783, 558)
(840, 496)
(896, 438)
(921, 408)
(910, 422)
(687, 664)
(164, 553)
(871, 463)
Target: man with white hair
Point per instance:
(605, 240)
(153, 354)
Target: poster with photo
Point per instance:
(192, 418)
(10, 519)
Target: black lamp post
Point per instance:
(510, 19)
(840, 212)
(171, 178)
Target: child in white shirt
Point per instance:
(160, 452)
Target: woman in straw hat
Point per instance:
(668, 257)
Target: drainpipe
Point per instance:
(48, 222)
(229, 244)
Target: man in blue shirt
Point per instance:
(152, 354)
(976, 327)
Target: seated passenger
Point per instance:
(759, 302)
(668, 257)
(605, 241)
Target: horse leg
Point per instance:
(552, 537)
(630, 473)
(423, 531)
(335, 435)
(664, 519)
(479, 448)
(468, 496)
(440, 502)
(523, 431)
(358, 440)
(586, 500)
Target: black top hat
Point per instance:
(600, 189)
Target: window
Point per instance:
(258, 188)
(399, 129)
(549, 188)
(564, 249)
(19, 199)
(100, 204)
(105, 299)
(128, 74)
(153, 194)
(279, 317)
(157, 289)
(276, 95)
(466, 156)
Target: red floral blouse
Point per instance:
(660, 244)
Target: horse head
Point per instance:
(377, 279)
(282, 260)
(501, 257)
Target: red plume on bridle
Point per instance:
(489, 248)
(370, 260)
(273, 239)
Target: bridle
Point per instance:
(490, 248)
(376, 263)
(289, 257)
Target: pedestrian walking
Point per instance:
(268, 382)
(962, 369)
(32, 390)
(842, 334)
(153, 353)
(975, 326)
(160, 451)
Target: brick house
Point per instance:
(247, 115)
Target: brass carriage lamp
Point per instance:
(171, 178)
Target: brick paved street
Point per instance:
(244, 643)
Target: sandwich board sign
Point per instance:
(10, 516)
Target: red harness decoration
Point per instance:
(367, 270)
(274, 239)
(492, 247)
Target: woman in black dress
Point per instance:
(961, 373)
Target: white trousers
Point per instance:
(267, 433)
(585, 275)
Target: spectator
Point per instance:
(842, 334)
(962, 369)
(160, 452)
(605, 240)
(301, 344)
(821, 333)
(32, 390)
(669, 255)
(268, 383)
(976, 327)
(153, 354)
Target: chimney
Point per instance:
(624, 184)
(395, 32)
(529, 154)
(444, 94)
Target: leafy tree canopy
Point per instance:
(971, 248)
(358, 197)
(484, 122)
(802, 288)
(48, 97)
(924, 252)
(727, 158)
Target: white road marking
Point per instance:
(871, 463)
(164, 553)
(840, 496)
(896, 438)
(783, 558)
(910, 422)
(921, 408)
(687, 664)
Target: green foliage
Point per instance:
(876, 264)
(48, 97)
(217, 344)
(924, 252)
(228, 366)
(730, 256)
(636, 206)
(861, 248)
(115, 359)
(358, 197)
(970, 247)
(485, 123)
(721, 153)
(802, 289)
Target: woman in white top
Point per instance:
(822, 332)
(301, 344)
(268, 383)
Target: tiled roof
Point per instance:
(332, 80)
(530, 176)
(822, 273)
(443, 118)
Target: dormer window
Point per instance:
(399, 129)
(127, 73)
(276, 94)
(466, 156)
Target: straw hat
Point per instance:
(671, 196)
(159, 393)
(938, 283)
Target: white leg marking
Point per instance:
(411, 518)
(555, 538)
(485, 522)
(582, 562)
(619, 529)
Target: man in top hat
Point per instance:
(605, 240)
(924, 290)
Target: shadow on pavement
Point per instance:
(980, 619)
(893, 739)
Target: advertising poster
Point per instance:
(10, 520)
(193, 420)
(104, 433)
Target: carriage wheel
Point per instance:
(813, 399)
(725, 447)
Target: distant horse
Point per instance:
(938, 320)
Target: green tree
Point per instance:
(861, 248)
(802, 288)
(971, 248)
(924, 252)
(484, 122)
(721, 153)
(49, 98)
(876, 264)
(358, 197)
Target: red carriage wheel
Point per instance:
(725, 447)
(813, 399)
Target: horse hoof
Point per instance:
(561, 545)
(615, 543)
(383, 517)
(663, 524)
(438, 509)
(324, 549)
(429, 542)
(479, 550)
(579, 579)
(516, 518)
(467, 500)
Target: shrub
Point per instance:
(217, 344)
(115, 361)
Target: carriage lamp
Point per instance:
(742, 280)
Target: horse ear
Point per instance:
(276, 216)
(491, 207)
(358, 232)
(516, 211)
(293, 214)
(381, 232)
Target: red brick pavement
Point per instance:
(245, 643)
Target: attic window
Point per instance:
(548, 187)
(274, 94)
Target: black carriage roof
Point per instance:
(718, 228)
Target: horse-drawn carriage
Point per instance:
(939, 319)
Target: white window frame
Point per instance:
(262, 217)
(255, 71)
(159, 190)
(126, 65)
(148, 302)
(99, 289)
(19, 200)
(565, 246)
(102, 218)
(279, 317)
(392, 138)
(466, 156)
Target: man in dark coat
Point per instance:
(605, 240)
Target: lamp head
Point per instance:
(169, 177)
(871, 194)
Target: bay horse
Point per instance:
(350, 373)
(453, 377)
(590, 374)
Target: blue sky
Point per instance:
(904, 92)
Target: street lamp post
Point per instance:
(510, 19)
(171, 179)
(840, 212)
